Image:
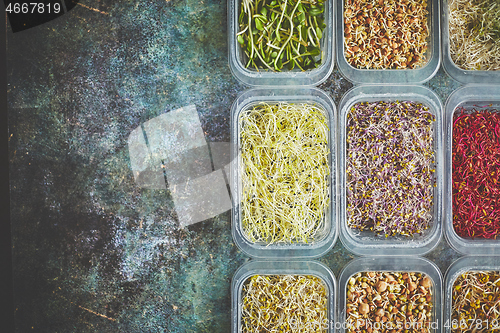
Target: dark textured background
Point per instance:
(92, 252)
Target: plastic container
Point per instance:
(461, 75)
(367, 242)
(328, 235)
(459, 267)
(295, 77)
(386, 76)
(255, 267)
(469, 97)
(392, 264)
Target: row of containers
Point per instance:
(391, 294)
(276, 42)
(389, 172)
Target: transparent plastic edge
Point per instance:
(471, 92)
(393, 264)
(288, 251)
(266, 267)
(392, 92)
(461, 75)
(266, 78)
(391, 76)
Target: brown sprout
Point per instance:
(364, 308)
(392, 304)
(381, 286)
(386, 34)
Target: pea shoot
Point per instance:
(279, 33)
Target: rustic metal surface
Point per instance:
(94, 252)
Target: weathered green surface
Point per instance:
(92, 251)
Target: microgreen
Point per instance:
(391, 301)
(284, 303)
(284, 172)
(386, 34)
(278, 33)
(476, 173)
(474, 34)
(476, 302)
(390, 167)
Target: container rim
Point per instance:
(392, 76)
(461, 75)
(276, 94)
(392, 264)
(471, 93)
(252, 78)
(459, 266)
(390, 246)
(279, 267)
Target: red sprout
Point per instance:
(475, 176)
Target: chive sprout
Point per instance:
(284, 172)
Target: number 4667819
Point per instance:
(33, 8)
(472, 324)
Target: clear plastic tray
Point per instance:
(472, 96)
(460, 266)
(367, 242)
(381, 76)
(328, 236)
(461, 75)
(255, 267)
(285, 77)
(392, 264)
